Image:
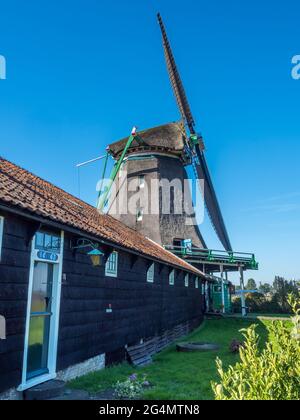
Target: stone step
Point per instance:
(48, 390)
(72, 395)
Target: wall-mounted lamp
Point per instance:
(95, 255)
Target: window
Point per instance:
(186, 280)
(47, 242)
(172, 278)
(187, 246)
(217, 289)
(150, 274)
(1, 234)
(111, 268)
(139, 215)
(197, 283)
(141, 182)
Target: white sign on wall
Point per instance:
(2, 328)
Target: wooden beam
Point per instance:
(31, 231)
(133, 260)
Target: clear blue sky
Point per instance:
(80, 74)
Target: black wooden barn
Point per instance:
(78, 288)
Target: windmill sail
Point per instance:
(211, 201)
(176, 81)
(201, 166)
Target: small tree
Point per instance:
(272, 374)
(282, 289)
(265, 288)
(251, 285)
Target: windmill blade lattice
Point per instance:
(197, 146)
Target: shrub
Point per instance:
(132, 388)
(273, 373)
(258, 303)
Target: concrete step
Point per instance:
(72, 395)
(48, 390)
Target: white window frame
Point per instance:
(140, 215)
(151, 273)
(172, 278)
(187, 280)
(197, 283)
(141, 182)
(1, 234)
(108, 271)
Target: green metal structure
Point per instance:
(217, 297)
(215, 258)
(102, 201)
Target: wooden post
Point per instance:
(244, 309)
(223, 288)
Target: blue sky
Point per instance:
(80, 74)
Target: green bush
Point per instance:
(132, 388)
(270, 374)
(258, 303)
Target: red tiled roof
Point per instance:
(20, 188)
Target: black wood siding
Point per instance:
(140, 309)
(14, 277)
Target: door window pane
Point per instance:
(38, 346)
(39, 240)
(42, 288)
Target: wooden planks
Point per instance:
(141, 354)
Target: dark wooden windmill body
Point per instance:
(155, 161)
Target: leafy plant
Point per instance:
(132, 388)
(270, 374)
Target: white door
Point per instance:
(40, 350)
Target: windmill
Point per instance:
(192, 152)
(195, 145)
(163, 153)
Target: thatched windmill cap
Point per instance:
(168, 138)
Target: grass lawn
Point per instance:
(180, 376)
(252, 316)
(284, 316)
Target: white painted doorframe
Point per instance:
(54, 326)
